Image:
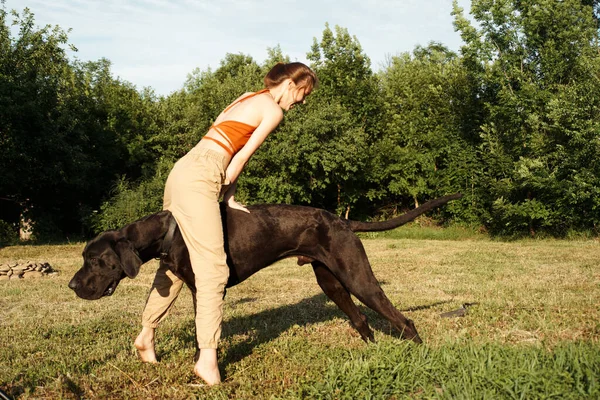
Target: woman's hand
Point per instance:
(231, 203)
(228, 192)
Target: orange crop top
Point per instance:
(235, 133)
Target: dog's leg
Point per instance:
(373, 297)
(351, 266)
(339, 295)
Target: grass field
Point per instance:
(534, 332)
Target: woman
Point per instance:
(192, 195)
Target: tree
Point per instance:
(32, 70)
(68, 130)
(536, 63)
(423, 152)
(348, 98)
(345, 75)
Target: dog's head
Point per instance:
(106, 260)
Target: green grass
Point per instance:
(429, 232)
(462, 370)
(533, 334)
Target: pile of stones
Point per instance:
(25, 270)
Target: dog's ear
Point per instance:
(130, 261)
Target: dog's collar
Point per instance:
(168, 239)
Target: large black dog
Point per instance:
(254, 241)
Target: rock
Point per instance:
(32, 275)
(26, 270)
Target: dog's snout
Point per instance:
(73, 284)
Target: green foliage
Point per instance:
(511, 121)
(536, 64)
(131, 202)
(32, 68)
(9, 234)
(314, 158)
(67, 129)
(344, 73)
(424, 152)
(343, 117)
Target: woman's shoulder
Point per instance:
(266, 102)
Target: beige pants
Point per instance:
(192, 195)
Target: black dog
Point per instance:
(254, 241)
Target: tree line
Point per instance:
(512, 121)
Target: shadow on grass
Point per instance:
(268, 325)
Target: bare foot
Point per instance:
(207, 368)
(144, 343)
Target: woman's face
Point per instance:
(295, 95)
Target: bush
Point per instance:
(9, 233)
(131, 202)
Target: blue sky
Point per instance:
(157, 43)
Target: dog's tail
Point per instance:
(358, 226)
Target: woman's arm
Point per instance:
(269, 122)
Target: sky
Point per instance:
(157, 43)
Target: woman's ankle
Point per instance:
(207, 367)
(144, 343)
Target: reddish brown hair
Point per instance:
(299, 73)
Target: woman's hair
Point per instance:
(299, 73)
